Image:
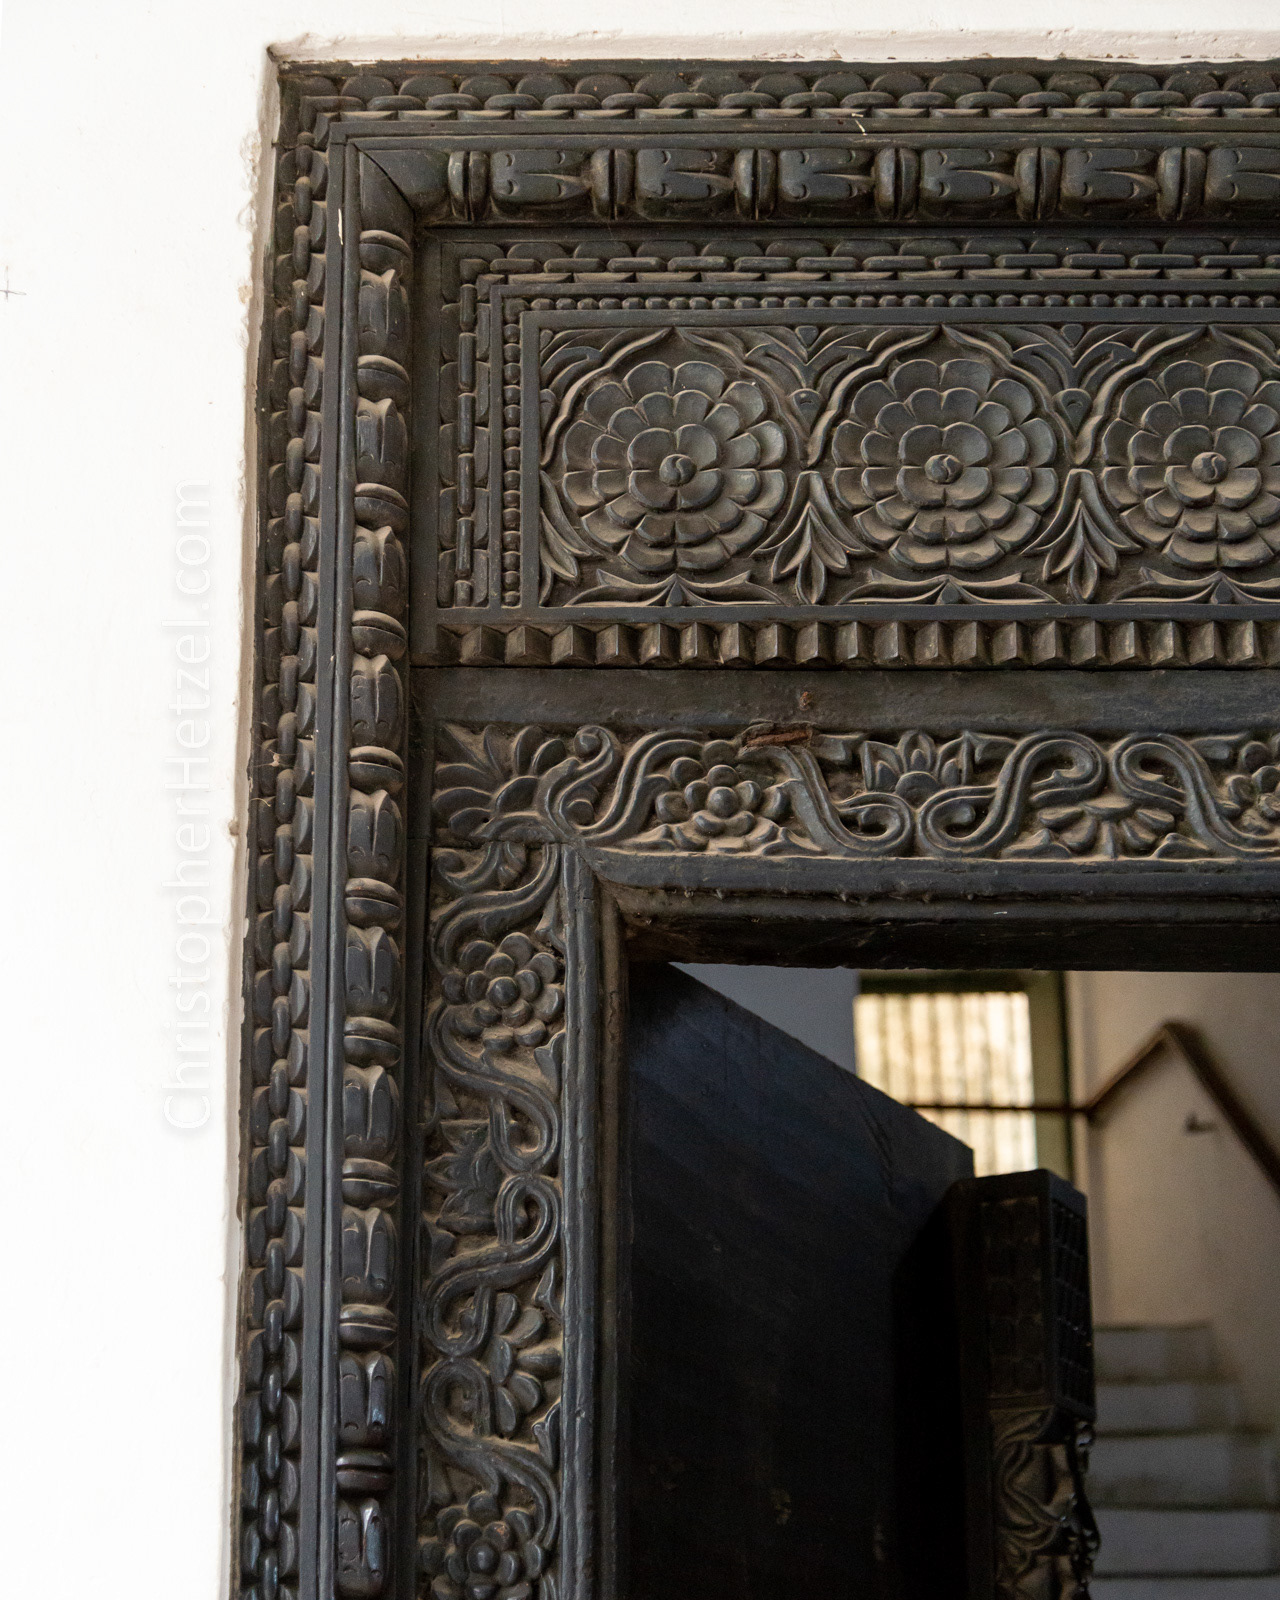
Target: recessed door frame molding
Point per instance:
(1048, 237)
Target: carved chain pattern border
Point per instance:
(269, 1422)
(484, 92)
(369, 1320)
(370, 837)
(369, 851)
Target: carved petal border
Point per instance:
(325, 1330)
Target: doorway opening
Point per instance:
(781, 1195)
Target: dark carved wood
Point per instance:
(806, 503)
(790, 792)
(1052, 284)
(1026, 1345)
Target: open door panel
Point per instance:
(774, 1197)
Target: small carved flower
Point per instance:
(1108, 825)
(1256, 786)
(711, 800)
(945, 466)
(481, 1553)
(519, 1360)
(511, 990)
(674, 467)
(1195, 456)
(916, 767)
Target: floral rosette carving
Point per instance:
(945, 464)
(509, 994)
(718, 801)
(1109, 825)
(1254, 790)
(480, 1553)
(674, 468)
(1194, 464)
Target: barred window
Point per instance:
(980, 1054)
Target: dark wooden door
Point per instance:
(775, 1200)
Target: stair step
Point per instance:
(1180, 1406)
(1153, 1354)
(1148, 1543)
(1184, 1469)
(1264, 1587)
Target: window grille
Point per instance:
(982, 1059)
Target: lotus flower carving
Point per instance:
(945, 464)
(674, 467)
(1194, 464)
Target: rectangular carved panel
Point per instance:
(732, 433)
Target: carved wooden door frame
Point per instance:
(427, 1363)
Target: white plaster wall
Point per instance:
(129, 252)
(1184, 1227)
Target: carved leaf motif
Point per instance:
(812, 542)
(1214, 588)
(470, 1177)
(488, 791)
(1081, 541)
(561, 547)
(944, 590)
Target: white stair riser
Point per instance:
(1188, 1542)
(1194, 1469)
(1167, 1407)
(1153, 1354)
(1263, 1588)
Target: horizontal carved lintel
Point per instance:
(851, 176)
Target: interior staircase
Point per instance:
(1187, 1498)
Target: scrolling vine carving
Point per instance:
(492, 1313)
(1046, 1533)
(512, 804)
(1050, 796)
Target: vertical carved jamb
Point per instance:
(278, 1316)
(1027, 1376)
(585, 1368)
(492, 1315)
(368, 1051)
